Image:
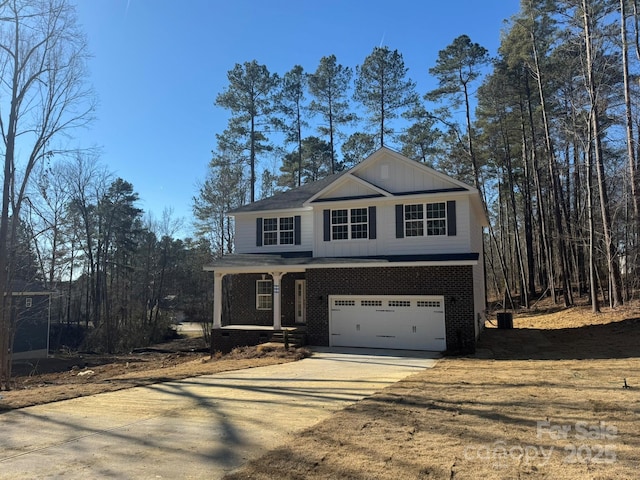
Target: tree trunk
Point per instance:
(593, 284)
(615, 281)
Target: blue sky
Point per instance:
(158, 65)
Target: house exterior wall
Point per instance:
(454, 282)
(352, 189)
(399, 175)
(245, 233)
(386, 242)
(239, 307)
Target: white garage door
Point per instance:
(402, 322)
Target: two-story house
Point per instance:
(387, 254)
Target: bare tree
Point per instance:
(42, 70)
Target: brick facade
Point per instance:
(223, 340)
(455, 283)
(239, 295)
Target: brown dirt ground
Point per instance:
(77, 375)
(498, 414)
(542, 401)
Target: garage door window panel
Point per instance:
(399, 303)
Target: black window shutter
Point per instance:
(451, 218)
(372, 223)
(258, 232)
(399, 221)
(297, 234)
(326, 215)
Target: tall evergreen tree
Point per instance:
(384, 90)
(458, 66)
(329, 86)
(291, 104)
(250, 99)
(358, 146)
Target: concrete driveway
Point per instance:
(201, 427)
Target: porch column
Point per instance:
(277, 309)
(217, 300)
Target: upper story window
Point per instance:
(426, 219)
(350, 223)
(278, 231)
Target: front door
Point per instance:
(301, 300)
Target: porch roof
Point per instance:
(302, 261)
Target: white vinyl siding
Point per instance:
(245, 239)
(404, 177)
(476, 241)
(386, 242)
(351, 189)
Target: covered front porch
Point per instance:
(270, 299)
(258, 299)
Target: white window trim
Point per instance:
(264, 295)
(278, 231)
(349, 224)
(425, 220)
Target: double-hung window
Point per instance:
(425, 219)
(278, 231)
(414, 220)
(436, 219)
(350, 223)
(263, 295)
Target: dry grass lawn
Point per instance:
(78, 375)
(542, 401)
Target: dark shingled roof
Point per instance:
(293, 198)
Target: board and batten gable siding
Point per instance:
(396, 176)
(350, 189)
(246, 233)
(386, 242)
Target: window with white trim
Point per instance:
(278, 231)
(264, 299)
(414, 220)
(350, 224)
(425, 219)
